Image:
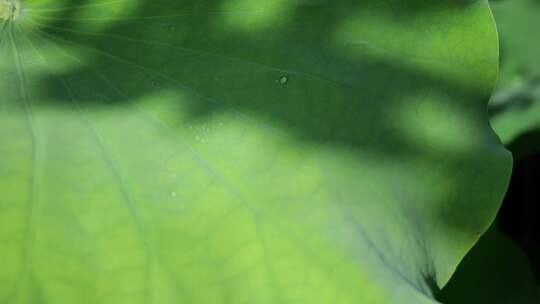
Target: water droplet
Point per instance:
(517, 80)
(173, 194)
(283, 79)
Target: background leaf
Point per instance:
(515, 106)
(495, 271)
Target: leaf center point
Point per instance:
(10, 9)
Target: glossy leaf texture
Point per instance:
(244, 151)
(516, 103)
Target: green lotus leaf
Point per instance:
(244, 151)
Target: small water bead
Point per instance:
(173, 194)
(283, 79)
